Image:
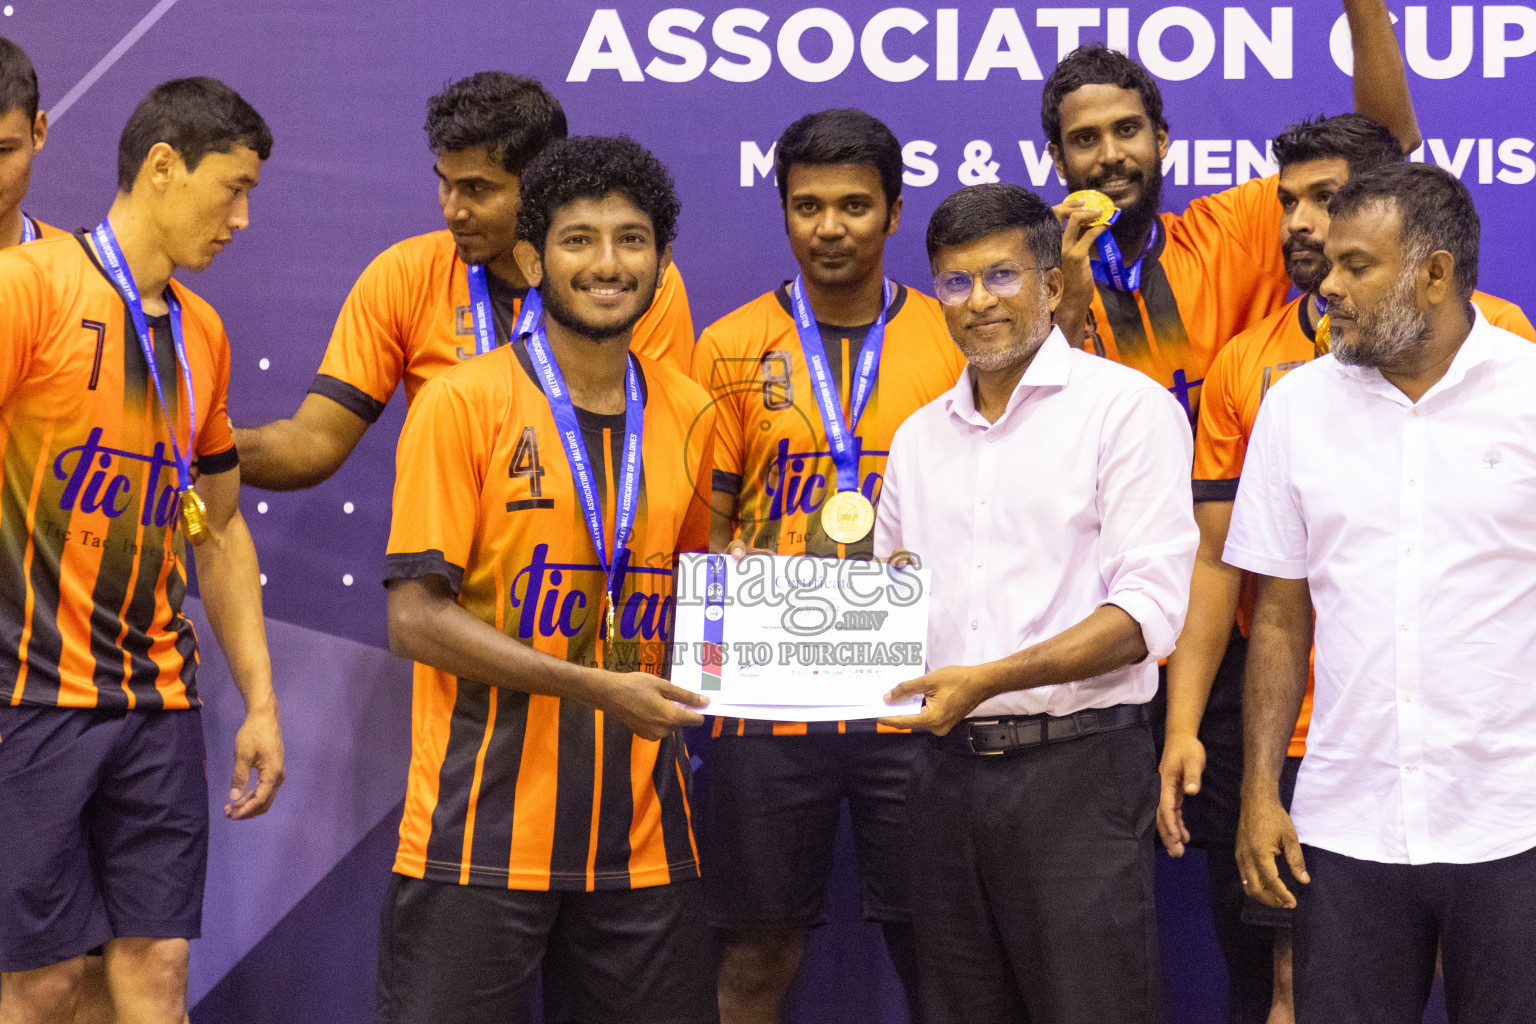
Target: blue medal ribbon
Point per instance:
(714, 621)
(1110, 267)
(1321, 304)
(628, 480)
(117, 268)
(484, 316)
(840, 436)
(28, 230)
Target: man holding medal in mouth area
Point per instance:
(810, 381)
(112, 383)
(1163, 292)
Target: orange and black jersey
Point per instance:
(408, 319)
(1211, 272)
(43, 230)
(91, 566)
(1247, 368)
(1240, 377)
(772, 457)
(531, 791)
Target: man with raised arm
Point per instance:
(433, 301)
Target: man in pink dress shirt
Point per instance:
(1049, 495)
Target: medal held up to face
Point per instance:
(1103, 206)
(1323, 336)
(847, 516)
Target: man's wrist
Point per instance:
(995, 679)
(1264, 787)
(262, 703)
(596, 687)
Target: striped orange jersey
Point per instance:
(772, 455)
(1212, 271)
(91, 567)
(528, 791)
(1241, 375)
(408, 319)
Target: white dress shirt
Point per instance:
(1078, 496)
(1415, 527)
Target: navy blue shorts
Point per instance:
(470, 954)
(106, 830)
(771, 827)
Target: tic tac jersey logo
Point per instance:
(792, 488)
(101, 479)
(552, 599)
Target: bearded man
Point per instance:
(1388, 485)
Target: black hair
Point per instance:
(591, 167)
(981, 210)
(1435, 210)
(511, 117)
(195, 117)
(1360, 141)
(18, 81)
(845, 136)
(1095, 64)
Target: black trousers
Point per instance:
(1366, 935)
(1032, 892)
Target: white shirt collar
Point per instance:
(1473, 352)
(1051, 367)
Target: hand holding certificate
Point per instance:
(798, 638)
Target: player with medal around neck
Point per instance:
(187, 161)
(190, 219)
(838, 235)
(837, 223)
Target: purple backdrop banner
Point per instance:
(708, 87)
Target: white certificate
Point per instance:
(798, 638)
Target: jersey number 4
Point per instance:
(525, 462)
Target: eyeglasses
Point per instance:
(953, 287)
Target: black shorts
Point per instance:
(470, 954)
(103, 830)
(771, 826)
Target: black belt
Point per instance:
(1007, 733)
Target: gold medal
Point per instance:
(1095, 200)
(194, 517)
(847, 517)
(1323, 336)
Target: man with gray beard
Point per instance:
(1048, 493)
(1389, 487)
